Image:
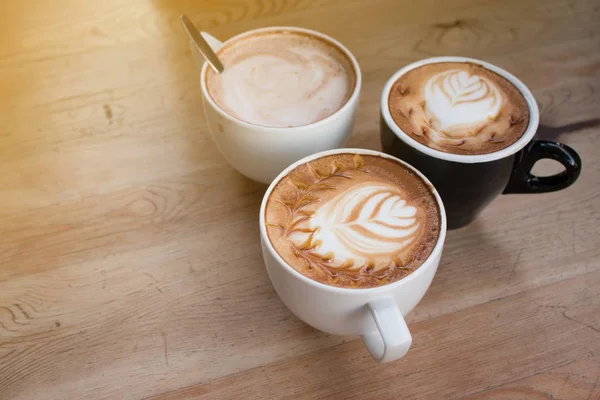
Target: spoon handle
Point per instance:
(202, 45)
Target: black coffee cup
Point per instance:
(468, 183)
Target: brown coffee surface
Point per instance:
(354, 221)
(281, 78)
(459, 108)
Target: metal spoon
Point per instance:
(202, 45)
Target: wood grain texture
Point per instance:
(130, 264)
(509, 341)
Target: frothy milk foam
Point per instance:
(459, 107)
(281, 79)
(353, 220)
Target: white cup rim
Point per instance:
(300, 129)
(437, 249)
(462, 158)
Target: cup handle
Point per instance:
(392, 338)
(523, 181)
(214, 43)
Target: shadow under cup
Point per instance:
(468, 183)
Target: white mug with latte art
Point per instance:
(356, 224)
(293, 104)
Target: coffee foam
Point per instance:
(458, 107)
(281, 79)
(352, 220)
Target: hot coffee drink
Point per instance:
(281, 79)
(458, 107)
(351, 220)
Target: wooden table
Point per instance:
(130, 264)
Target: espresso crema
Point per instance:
(458, 107)
(353, 220)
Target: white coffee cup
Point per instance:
(377, 314)
(261, 152)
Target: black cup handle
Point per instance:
(523, 181)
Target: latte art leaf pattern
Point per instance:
(364, 224)
(455, 101)
(350, 220)
(462, 88)
(362, 230)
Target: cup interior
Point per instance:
(390, 286)
(308, 32)
(462, 158)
